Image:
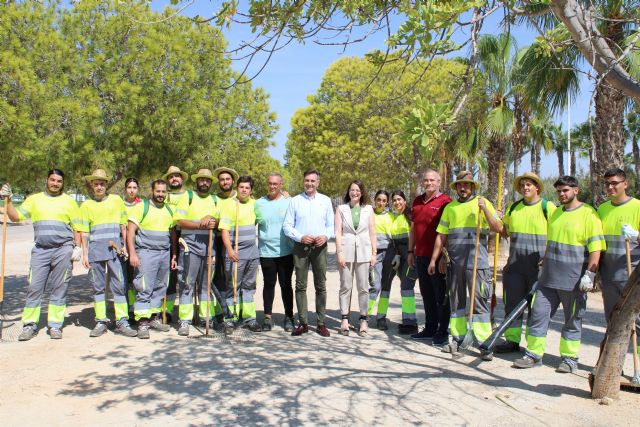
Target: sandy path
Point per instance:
(272, 378)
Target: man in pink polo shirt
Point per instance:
(426, 212)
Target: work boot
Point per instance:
(568, 365)
(407, 329)
(99, 330)
(267, 325)
(450, 347)
(55, 333)
(507, 347)
(228, 327)
(526, 362)
(203, 322)
(253, 326)
(28, 331)
(486, 355)
(423, 335)
(183, 330)
(143, 329)
(289, 324)
(381, 324)
(159, 326)
(122, 327)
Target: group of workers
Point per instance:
(202, 248)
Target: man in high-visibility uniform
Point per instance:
(196, 219)
(457, 231)
(131, 187)
(382, 272)
(103, 221)
(525, 222)
(56, 219)
(574, 243)
(175, 179)
(152, 247)
(240, 218)
(226, 195)
(620, 221)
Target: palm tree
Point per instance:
(496, 60)
(552, 75)
(633, 129)
(540, 134)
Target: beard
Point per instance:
(204, 188)
(158, 199)
(175, 186)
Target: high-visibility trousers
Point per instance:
(544, 305)
(152, 277)
(52, 267)
(99, 271)
(459, 281)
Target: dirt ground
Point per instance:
(273, 378)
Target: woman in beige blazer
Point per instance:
(356, 252)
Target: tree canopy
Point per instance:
(353, 127)
(92, 86)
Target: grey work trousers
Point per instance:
(99, 272)
(245, 307)
(49, 266)
(611, 292)
(152, 277)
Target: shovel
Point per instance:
(468, 338)
(634, 339)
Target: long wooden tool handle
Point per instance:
(475, 265)
(5, 218)
(235, 268)
(209, 262)
(634, 337)
(497, 244)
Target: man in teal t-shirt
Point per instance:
(276, 259)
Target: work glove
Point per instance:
(395, 264)
(76, 255)
(586, 281)
(627, 231)
(5, 191)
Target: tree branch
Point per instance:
(585, 33)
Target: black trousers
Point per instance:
(279, 270)
(434, 297)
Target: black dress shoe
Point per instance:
(407, 329)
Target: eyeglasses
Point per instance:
(612, 183)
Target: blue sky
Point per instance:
(296, 71)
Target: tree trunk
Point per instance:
(572, 162)
(616, 344)
(608, 133)
(636, 163)
(538, 158)
(495, 154)
(608, 136)
(518, 137)
(560, 155)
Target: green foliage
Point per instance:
(92, 86)
(426, 124)
(353, 125)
